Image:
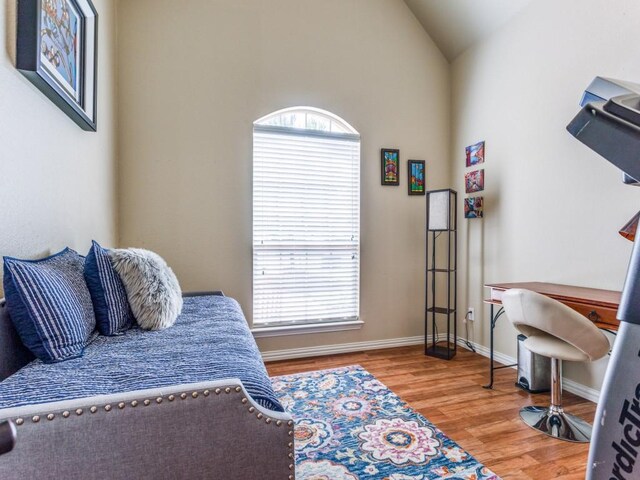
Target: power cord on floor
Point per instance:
(436, 337)
(466, 340)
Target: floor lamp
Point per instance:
(441, 305)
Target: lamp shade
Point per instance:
(441, 210)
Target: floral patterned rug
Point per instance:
(349, 426)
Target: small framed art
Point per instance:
(416, 177)
(475, 154)
(473, 207)
(57, 42)
(474, 181)
(390, 166)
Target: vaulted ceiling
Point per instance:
(455, 25)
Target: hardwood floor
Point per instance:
(484, 422)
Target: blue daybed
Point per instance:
(191, 401)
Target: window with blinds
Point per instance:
(306, 219)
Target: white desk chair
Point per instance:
(556, 331)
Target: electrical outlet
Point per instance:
(470, 314)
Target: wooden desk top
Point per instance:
(593, 296)
(600, 306)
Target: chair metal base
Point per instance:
(555, 423)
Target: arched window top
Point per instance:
(307, 118)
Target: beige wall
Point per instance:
(193, 78)
(57, 182)
(552, 206)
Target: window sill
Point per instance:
(262, 332)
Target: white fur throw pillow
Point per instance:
(152, 288)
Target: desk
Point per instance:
(599, 306)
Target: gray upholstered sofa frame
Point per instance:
(211, 430)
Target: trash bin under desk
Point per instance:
(534, 371)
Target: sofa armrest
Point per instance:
(202, 430)
(13, 354)
(203, 293)
(7, 437)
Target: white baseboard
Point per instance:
(576, 388)
(320, 350)
(581, 390)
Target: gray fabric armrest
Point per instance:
(13, 354)
(7, 437)
(204, 293)
(210, 430)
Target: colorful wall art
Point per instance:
(56, 50)
(61, 47)
(390, 163)
(475, 154)
(473, 207)
(416, 177)
(474, 181)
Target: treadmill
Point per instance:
(609, 124)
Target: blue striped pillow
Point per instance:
(110, 304)
(49, 304)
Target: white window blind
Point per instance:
(306, 225)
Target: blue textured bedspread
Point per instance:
(210, 341)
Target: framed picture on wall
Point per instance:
(416, 177)
(57, 43)
(475, 154)
(473, 207)
(390, 166)
(474, 181)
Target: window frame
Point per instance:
(267, 125)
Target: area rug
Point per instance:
(349, 426)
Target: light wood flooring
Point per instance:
(484, 422)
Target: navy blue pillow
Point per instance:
(110, 303)
(49, 304)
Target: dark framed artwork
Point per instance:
(390, 163)
(57, 43)
(474, 181)
(416, 177)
